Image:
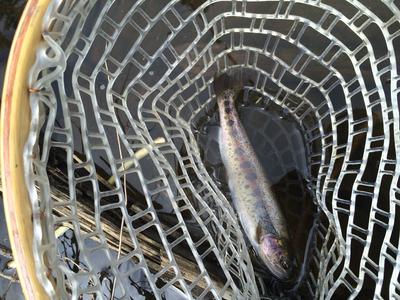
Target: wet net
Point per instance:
(129, 199)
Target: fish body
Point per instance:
(259, 212)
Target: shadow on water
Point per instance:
(10, 12)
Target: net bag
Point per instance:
(124, 204)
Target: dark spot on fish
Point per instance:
(230, 122)
(228, 110)
(226, 117)
(258, 232)
(251, 176)
(239, 151)
(247, 186)
(226, 103)
(246, 164)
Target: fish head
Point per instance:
(274, 252)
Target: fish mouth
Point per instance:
(274, 253)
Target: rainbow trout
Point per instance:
(258, 210)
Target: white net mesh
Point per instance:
(115, 78)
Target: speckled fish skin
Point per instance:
(250, 188)
(258, 210)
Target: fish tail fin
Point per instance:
(233, 80)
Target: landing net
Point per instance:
(113, 156)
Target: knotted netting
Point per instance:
(117, 92)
